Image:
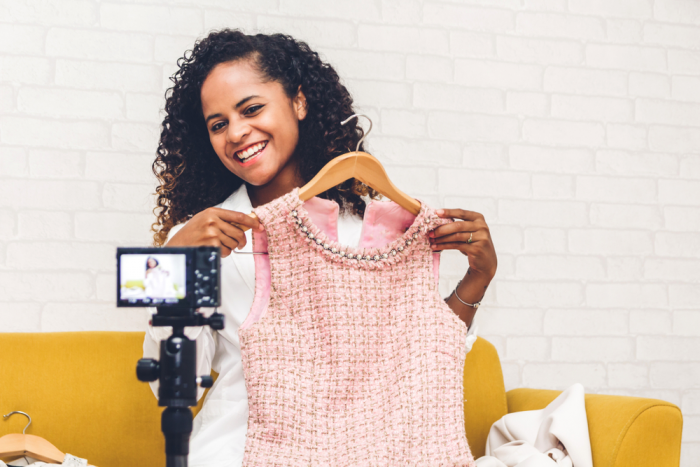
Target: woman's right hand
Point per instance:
(214, 227)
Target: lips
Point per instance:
(251, 151)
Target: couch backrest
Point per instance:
(81, 391)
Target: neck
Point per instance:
(284, 182)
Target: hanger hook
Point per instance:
(363, 136)
(25, 414)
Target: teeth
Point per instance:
(251, 151)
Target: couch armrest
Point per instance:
(625, 431)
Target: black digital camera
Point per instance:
(177, 277)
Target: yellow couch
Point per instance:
(81, 390)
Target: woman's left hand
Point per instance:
(456, 235)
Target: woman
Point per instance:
(157, 283)
(248, 119)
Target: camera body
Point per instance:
(169, 277)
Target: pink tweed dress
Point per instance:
(350, 355)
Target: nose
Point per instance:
(237, 130)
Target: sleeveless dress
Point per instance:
(350, 355)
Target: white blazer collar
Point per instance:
(240, 201)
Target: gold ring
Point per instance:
(470, 237)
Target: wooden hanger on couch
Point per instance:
(15, 445)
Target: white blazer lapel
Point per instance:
(239, 201)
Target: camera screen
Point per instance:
(152, 279)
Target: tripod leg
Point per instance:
(176, 423)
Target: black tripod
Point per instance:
(176, 371)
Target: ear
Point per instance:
(299, 103)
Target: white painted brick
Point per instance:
(667, 112)
(119, 167)
(564, 133)
(622, 216)
(44, 163)
(24, 70)
(75, 317)
(610, 242)
(681, 11)
(369, 65)
(365, 10)
(663, 269)
(261, 6)
(418, 40)
(690, 166)
(685, 88)
(7, 98)
(128, 197)
(19, 317)
(585, 81)
(511, 321)
(484, 156)
(483, 182)
(683, 61)
(527, 103)
(468, 17)
(54, 133)
(403, 123)
(135, 136)
(626, 57)
(690, 453)
(105, 287)
(627, 31)
(423, 181)
(675, 375)
(20, 39)
(50, 12)
(673, 348)
(49, 194)
(44, 225)
(649, 85)
(542, 294)
(672, 35)
(325, 33)
(559, 25)
(682, 218)
(677, 244)
(7, 224)
(624, 268)
(665, 138)
(544, 51)
(527, 349)
(99, 45)
(639, 295)
(428, 68)
(401, 11)
(464, 127)
(551, 160)
(497, 74)
(512, 4)
(13, 162)
(45, 286)
(597, 349)
(620, 135)
(471, 44)
(127, 228)
(410, 151)
(230, 18)
(691, 402)
(540, 213)
(641, 9)
(151, 18)
(684, 192)
(560, 376)
(511, 375)
(605, 109)
(691, 429)
(145, 107)
(686, 322)
(53, 102)
(170, 48)
(546, 5)
(484, 206)
(628, 375)
(650, 322)
(541, 240)
(509, 240)
(108, 75)
(684, 296)
(458, 98)
(380, 93)
(626, 163)
(60, 256)
(585, 322)
(554, 267)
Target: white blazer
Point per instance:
(219, 431)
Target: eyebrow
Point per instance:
(242, 101)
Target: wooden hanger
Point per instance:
(360, 165)
(15, 445)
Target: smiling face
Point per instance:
(253, 125)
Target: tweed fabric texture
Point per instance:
(353, 362)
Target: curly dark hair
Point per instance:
(191, 175)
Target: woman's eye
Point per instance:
(217, 126)
(252, 109)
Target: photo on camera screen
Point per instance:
(152, 278)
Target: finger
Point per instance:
(462, 237)
(453, 227)
(233, 232)
(460, 214)
(447, 246)
(227, 242)
(243, 221)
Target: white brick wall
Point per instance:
(572, 125)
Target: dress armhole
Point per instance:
(262, 281)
